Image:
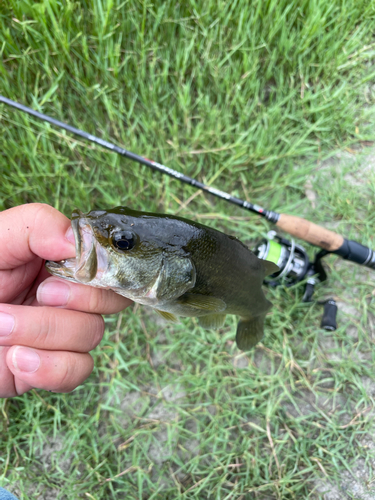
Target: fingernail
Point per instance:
(25, 359)
(69, 235)
(6, 324)
(53, 293)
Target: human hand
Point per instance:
(47, 325)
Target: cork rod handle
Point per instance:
(310, 232)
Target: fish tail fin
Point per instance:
(249, 332)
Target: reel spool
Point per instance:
(291, 259)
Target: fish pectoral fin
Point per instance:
(167, 316)
(177, 275)
(212, 320)
(204, 302)
(249, 332)
(270, 267)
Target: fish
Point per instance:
(177, 266)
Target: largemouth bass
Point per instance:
(177, 266)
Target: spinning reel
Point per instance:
(295, 266)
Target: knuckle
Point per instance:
(67, 375)
(97, 330)
(41, 207)
(95, 300)
(74, 373)
(46, 326)
(7, 385)
(38, 210)
(106, 301)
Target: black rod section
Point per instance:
(268, 214)
(355, 252)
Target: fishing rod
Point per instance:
(329, 241)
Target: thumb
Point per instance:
(34, 230)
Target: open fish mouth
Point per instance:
(86, 258)
(90, 258)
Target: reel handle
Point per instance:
(324, 238)
(329, 316)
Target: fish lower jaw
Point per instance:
(63, 268)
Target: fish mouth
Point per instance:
(91, 259)
(86, 258)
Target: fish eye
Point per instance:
(123, 240)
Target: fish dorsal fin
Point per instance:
(270, 267)
(167, 316)
(204, 302)
(212, 321)
(249, 332)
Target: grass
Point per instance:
(253, 98)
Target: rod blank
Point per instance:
(296, 226)
(143, 161)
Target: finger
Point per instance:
(49, 328)
(34, 230)
(16, 283)
(58, 371)
(7, 388)
(27, 297)
(20, 387)
(60, 293)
